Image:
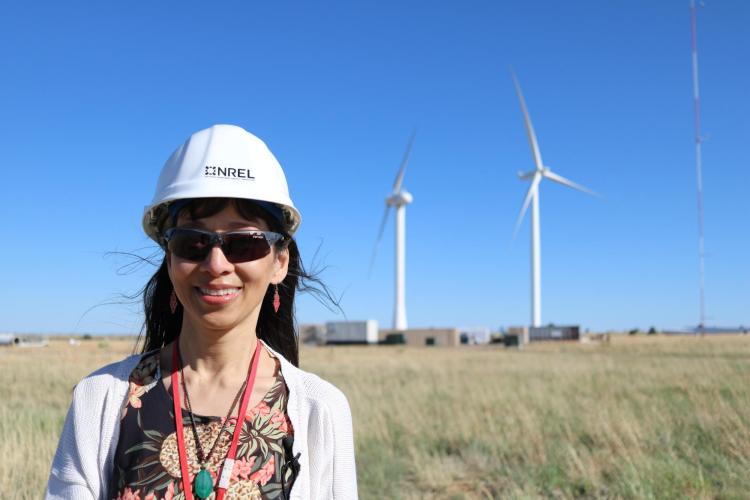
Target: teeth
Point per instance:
(223, 291)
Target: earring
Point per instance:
(276, 298)
(173, 302)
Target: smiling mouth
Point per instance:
(218, 292)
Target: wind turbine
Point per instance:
(532, 197)
(399, 198)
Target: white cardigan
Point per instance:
(319, 413)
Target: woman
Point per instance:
(215, 407)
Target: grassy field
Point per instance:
(641, 417)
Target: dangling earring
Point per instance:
(276, 298)
(173, 302)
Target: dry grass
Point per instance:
(645, 417)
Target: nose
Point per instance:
(216, 262)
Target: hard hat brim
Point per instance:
(155, 216)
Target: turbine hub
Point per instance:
(399, 199)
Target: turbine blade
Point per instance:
(567, 182)
(377, 241)
(529, 127)
(529, 194)
(404, 161)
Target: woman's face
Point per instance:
(197, 283)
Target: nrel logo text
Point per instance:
(227, 172)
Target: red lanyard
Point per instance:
(228, 465)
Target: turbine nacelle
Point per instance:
(399, 199)
(524, 176)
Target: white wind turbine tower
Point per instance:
(399, 198)
(532, 197)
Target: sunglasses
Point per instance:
(238, 246)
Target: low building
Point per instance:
(475, 335)
(522, 332)
(352, 332)
(444, 337)
(553, 332)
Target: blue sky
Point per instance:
(95, 97)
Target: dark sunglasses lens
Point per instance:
(245, 247)
(190, 245)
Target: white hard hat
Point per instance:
(223, 161)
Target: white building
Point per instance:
(352, 332)
(475, 335)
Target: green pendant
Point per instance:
(203, 484)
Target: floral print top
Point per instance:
(147, 464)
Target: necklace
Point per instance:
(203, 482)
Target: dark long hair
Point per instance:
(278, 330)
